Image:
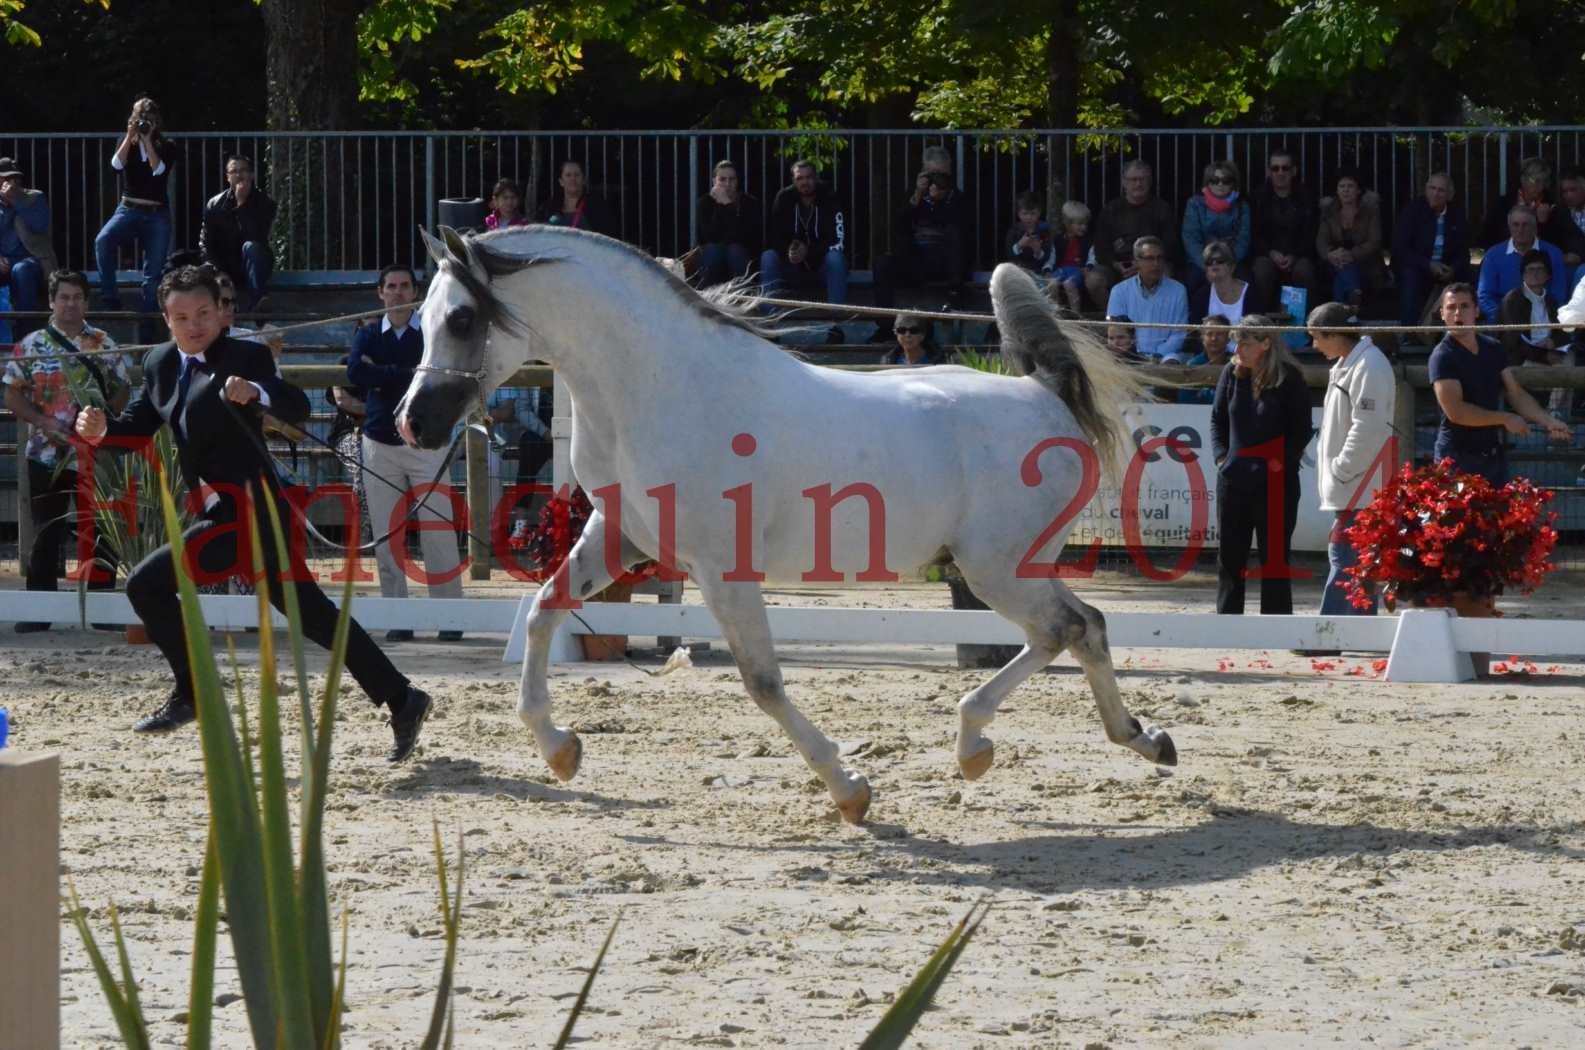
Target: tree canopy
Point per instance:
(733, 63)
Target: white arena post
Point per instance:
(30, 947)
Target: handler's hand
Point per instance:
(240, 390)
(1516, 425)
(91, 425)
(1558, 430)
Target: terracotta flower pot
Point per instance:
(137, 634)
(606, 647)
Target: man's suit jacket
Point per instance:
(218, 447)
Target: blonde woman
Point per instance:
(1260, 424)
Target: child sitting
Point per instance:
(1074, 254)
(506, 206)
(1029, 240)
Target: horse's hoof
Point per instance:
(854, 808)
(978, 764)
(568, 757)
(1167, 752)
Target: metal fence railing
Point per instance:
(352, 201)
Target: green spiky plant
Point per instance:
(278, 914)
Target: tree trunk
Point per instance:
(312, 63)
(1062, 93)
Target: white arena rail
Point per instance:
(1429, 645)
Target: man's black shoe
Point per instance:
(451, 636)
(407, 721)
(173, 714)
(398, 634)
(31, 627)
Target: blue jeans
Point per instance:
(1341, 555)
(27, 283)
(721, 262)
(258, 263)
(774, 270)
(1347, 281)
(1493, 466)
(151, 229)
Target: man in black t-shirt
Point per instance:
(1470, 375)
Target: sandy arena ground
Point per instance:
(1336, 862)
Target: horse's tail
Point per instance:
(1070, 360)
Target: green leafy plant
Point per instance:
(278, 912)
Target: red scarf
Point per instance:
(1219, 205)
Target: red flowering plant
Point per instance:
(1434, 532)
(561, 522)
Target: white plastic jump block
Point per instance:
(1424, 649)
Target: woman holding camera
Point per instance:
(143, 161)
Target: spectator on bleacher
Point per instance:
(1532, 303)
(235, 235)
(1356, 424)
(1260, 425)
(1534, 192)
(1028, 240)
(1137, 213)
(1216, 213)
(1283, 219)
(506, 206)
(27, 253)
(382, 361)
(573, 203)
(1571, 188)
(731, 228)
(144, 160)
(1215, 338)
(1222, 292)
(936, 159)
(806, 240)
(1430, 248)
(1074, 271)
(929, 242)
(1500, 267)
(45, 386)
(1121, 339)
(1470, 375)
(916, 344)
(1348, 238)
(1150, 295)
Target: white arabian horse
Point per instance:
(674, 387)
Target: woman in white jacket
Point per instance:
(1352, 458)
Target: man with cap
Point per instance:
(27, 255)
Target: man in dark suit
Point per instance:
(208, 388)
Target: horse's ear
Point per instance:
(437, 251)
(456, 245)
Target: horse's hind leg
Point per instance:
(587, 574)
(740, 610)
(1053, 620)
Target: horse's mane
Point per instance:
(515, 248)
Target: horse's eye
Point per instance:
(459, 321)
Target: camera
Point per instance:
(144, 126)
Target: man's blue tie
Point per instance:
(189, 366)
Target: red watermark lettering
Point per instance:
(1199, 514)
(401, 521)
(825, 502)
(1089, 482)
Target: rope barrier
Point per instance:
(844, 310)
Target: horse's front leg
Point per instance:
(586, 574)
(740, 610)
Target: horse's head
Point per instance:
(461, 365)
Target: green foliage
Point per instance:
(914, 1000)
(385, 24)
(277, 912)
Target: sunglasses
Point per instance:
(1219, 180)
(904, 329)
(1282, 167)
(1148, 258)
(1217, 261)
